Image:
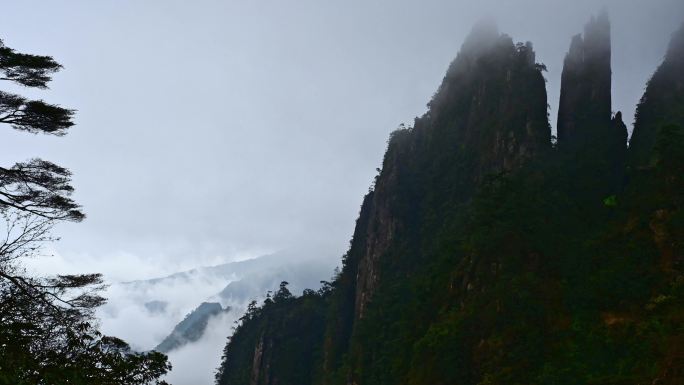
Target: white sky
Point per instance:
(214, 130)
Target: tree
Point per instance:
(27, 70)
(47, 328)
(283, 293)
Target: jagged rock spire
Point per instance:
(585, 100)
(588, 135)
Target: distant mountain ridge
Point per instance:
(229, 286)
(224, 270)
(192, 327)
(254, 284)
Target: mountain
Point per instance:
(191, 328)
(156, 306)
(234, 270)
(488, 254)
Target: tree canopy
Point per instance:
(48, 333)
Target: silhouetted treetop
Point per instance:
(283, 292)
(34, 115)
(27, 70)
(39, 187)
(31, 115)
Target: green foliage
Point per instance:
(610, 201)
(279, 342)
(85, 357)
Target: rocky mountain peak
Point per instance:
(585, 101)
(488, 116)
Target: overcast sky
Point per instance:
(214, 130)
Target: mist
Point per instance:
(211, 131)
(196, 363)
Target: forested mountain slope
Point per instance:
(486, 253)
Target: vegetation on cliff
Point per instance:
(484, 254)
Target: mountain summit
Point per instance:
(585, 99)
(587, 132)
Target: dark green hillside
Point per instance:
(284, 336)
(486, 254)
(191, 328)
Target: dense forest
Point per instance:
(489, 252)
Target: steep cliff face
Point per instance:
(488, 116)
(493, 97)
(476, 261)
(661, 105)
